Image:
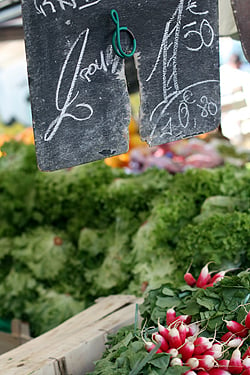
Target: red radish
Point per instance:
(246, 362)
(183, 332)
(181, 319)
(215, 351)
(237, 328)
(185, 318)
(163, 331)
(247, 353)
(170, 316)
(202, 344)
(218, 371)
(189, 278)
(190, 372)
(246, 371)
(160, 340)
(223, 364)
(235, 364)
(206, 362)
(153, 335)
(227, 337)
(247, 320)
(218, 276)
(149, 346)
(202, 372)
(193, 329)
(193, 363)
(187, 350)
(204, 277)
(235, 343)
(176, 362)
(173, 352)
(174, 338)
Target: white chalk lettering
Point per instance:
(46, 7)
(70, 107)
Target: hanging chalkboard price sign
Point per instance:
(75, 54)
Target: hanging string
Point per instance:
(116, 40)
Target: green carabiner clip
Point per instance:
(116, 40)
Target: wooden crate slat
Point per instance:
(71, 348)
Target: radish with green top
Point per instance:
(149, 346)
(176, 362)
(193, 363)
(247, 320)
(160, 340)
(170, 316)
(202, 344)
(186, 350)
(206, 362)
(163, 331)
(235, 363)
(223, 364)
(246, 362)
(247, 353)
(235, 343)
(183, 332)
(173, 352)
(227, 337)
(174, 338)
(189, 278)
(215, 351)
(237, 328)
(218, 371)
(204, 277)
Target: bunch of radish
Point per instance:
(205, 278)
(184, 342)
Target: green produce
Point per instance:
(120, 233)
(50, 310)
(226, 242)
(43, 252)
(16, 291)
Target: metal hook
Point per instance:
(116, 40)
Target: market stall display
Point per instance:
(69, 237)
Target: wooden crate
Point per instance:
(19, 335)
(72, 347)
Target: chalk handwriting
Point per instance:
(107, 59)
(193, 5)
(205, 35)
(70, 106)
(169, 45)
(46, 7)
(197, 34)
(207, 107)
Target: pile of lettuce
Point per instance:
(71, 236)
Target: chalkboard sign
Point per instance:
(79, 97)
